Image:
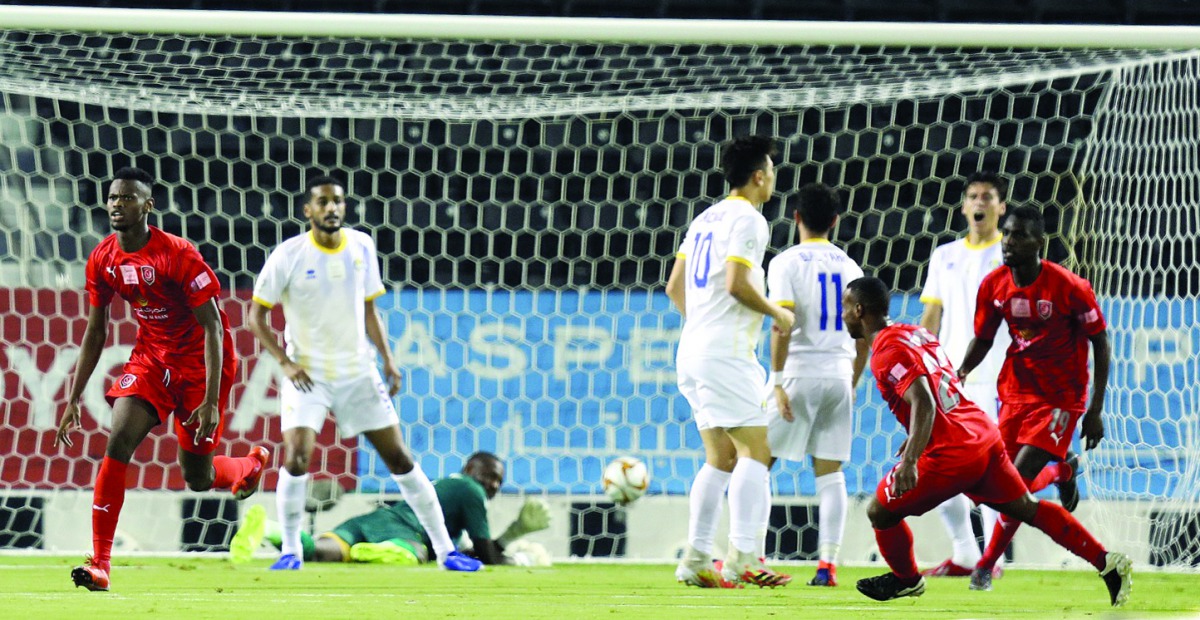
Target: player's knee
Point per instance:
(297, 463)
(400, 464)
(881, 518)
(198, 481)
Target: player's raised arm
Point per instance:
(94, 337)
(1092, 426)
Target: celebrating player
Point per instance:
(327, 281)
(952, 447)
(394, 535)
(716, 283)
(816, 365)
(183, 363)
(951, 286)
(1051, 314)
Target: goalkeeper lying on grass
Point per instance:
(392, 534)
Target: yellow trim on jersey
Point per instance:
(341, 543)
(341, 245)
(817, 240)
(739, 260)
(376, 295)
(981, 246)
(739, 198)
(681, 255)
(931, 300)
(263, 302)
(786, 304)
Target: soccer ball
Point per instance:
(625, 479)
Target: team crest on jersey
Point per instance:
(147, 274)
(1020, 308)
(1045, 308)
(126, 381)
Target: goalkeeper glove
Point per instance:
(534, 517)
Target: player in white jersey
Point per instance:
(717, 283)
(815, 366)
(327, 280)
(951, 287)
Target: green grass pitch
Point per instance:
(40, 588)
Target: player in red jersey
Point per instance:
(183, 362)
(952, 448)
(1051, 314)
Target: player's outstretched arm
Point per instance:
(738, 284)
(676, 289)
(976, 351)
(1091, 427)
(263, 332)
(89, 355)
(378, 335)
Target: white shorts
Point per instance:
(823, 411)
(986, 396)
(723, 392)
(358, 404)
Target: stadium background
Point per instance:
(556, 422)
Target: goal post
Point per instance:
(526, 181)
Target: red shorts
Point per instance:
(1038, 425)
(987, 478)
(172, 391)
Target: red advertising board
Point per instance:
(42, 331)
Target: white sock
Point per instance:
(290, 495)
(704, 507)
(956, 515)
(766, 524)
(418, 492)
(831, 520)
(748, 499)
(989, 524)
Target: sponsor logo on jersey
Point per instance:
(201, 281)
(126, 380)
(897, 372)
(1020, 308)
(310, 274)
(147, 274)
(1089, 316)
(129, 274)
(1045, 308)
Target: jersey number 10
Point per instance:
(831, 286)
(703, 249)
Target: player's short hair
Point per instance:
(129, 173)
(1029, 215)
(740, 157)
(818, 206)
(323, 179)
(991, 178)
(871, 293)
(482, 458)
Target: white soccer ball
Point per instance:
(625, 479)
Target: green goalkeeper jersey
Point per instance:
(464, 505)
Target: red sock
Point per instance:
(896, 546)
(106, 509)
(1045, 478)
(1066, 530)
(228, 470)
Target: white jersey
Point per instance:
(955, 271)
(809, 278)
(718, 325)
(323, 293)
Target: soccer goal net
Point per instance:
(527, 187)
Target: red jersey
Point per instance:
(162, 282)
(1050, 321)
(902, 354)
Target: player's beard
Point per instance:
(328, 228)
